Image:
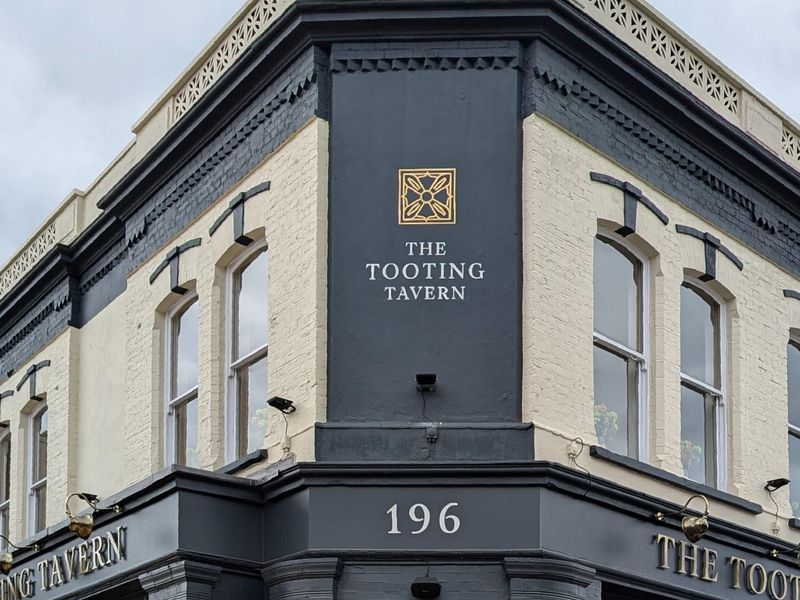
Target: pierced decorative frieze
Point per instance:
(37, 248)
(790, 145)
(252, 24)
(640, 30)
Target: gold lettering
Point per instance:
(13, 586)
(795, 581)
(683, 558)
(97, 552)
(666, 543)
(26, 583)
(737, 565)
(709, 566)
(43, 578)
(69, 563)
(751, 579)
(57, 573)
(84, 566)
(115, 542)
(775, 576)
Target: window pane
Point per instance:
(617, 283)
(794, 474)
(186, 426)
(611, 400)
(4, 528)
(39, 447)
(251, 306)
(5, 468)
(184, 351)
(697, 436)
(252, 406)
(794, 384)
(39, 504)
(699, 325)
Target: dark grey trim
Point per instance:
(794, 523)
(6, 394)
(632, 196)
(244, 462)
(791, 294)
(30, 376)
(307, 568)
(172, 260)
(712, 245)
(691, 486)
(236, 208)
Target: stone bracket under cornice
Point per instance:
(236, 208)
(712, 245)
(632, 196)
(172, 260)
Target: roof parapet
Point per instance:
(653, 36)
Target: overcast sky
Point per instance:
(78, 73)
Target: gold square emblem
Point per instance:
(427, 197)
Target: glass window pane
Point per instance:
(39, 447)
(794, 384)
(253, 406)
(4, 528)
(40, 503)
(611, 400)
(617, 283)
(186, 426)
(251, 306)
(5, 468)
(794, 474)
(184, 352)
(699, 326)
(693, 434)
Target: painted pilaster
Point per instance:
(310, 579)
(182, 580)
(550, 579)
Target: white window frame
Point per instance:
(642, 359)
(170, 404)
(720, 394)
(231, 393)
(5, 506)
(794, 430)
(35, 486)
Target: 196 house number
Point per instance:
(419, 513)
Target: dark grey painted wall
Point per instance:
(384, 120)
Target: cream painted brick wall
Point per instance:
(562, 211)
(292, 217)
(58, 381)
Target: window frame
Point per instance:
(33, 487)
(640, 358)
(720, 394)
(173, 404)
(232, 367)
(5, 505)
(793, 430)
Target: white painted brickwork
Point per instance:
(562, 211)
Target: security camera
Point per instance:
(426, 587)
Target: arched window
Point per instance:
(5, 484)
(620, 360)
(248, 345)
(793, 368)
(37, 470)
(182, 332)
(702, 377)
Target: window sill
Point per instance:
(244, 462)
(687, 484)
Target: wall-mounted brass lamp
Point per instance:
(7, 559)
(82, 525)
(693, 527)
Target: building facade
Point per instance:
(523, 277)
